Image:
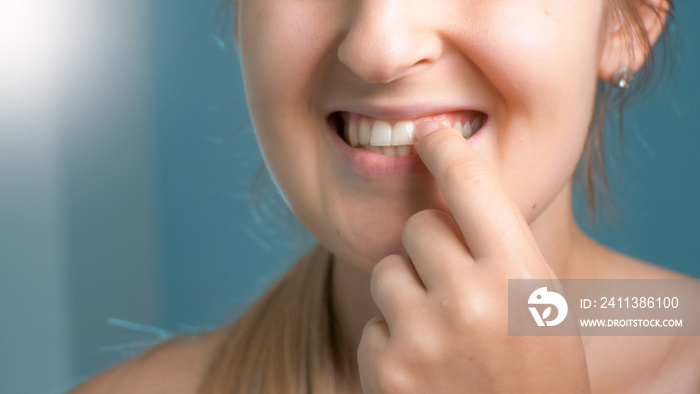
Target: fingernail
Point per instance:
(424, 128)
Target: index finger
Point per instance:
(470, 188)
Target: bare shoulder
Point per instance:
(653, 364)
(678, 367)
(611, 264)
(685, 368)
(174, 366)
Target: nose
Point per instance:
(389, 39)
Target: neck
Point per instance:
(560, 240)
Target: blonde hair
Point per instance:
(289, 340)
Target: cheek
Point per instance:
(284, 46)
(538, 57)
(280, 50)
(277, 56)
(546, 100)
(542, 61)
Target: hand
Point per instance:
(444, 327)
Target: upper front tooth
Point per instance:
(381, 134)
(365, 131)
(402, 133)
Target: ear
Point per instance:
(625, 45)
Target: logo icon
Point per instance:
(543, 297)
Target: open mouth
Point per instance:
(395, 138)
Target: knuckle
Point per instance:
(395, 369)
(418, 221)
(421, 217)
(423, 349)
(382, 271)
(465, 312)
(371, 332)
(391, 377)
(383, 265)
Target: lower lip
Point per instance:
(372, 165)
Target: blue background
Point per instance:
(140, 226)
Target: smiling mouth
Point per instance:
(396, 138)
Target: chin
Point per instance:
(363, 242)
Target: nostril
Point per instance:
(379, 51)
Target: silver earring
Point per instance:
(622, 78)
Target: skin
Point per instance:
(495, 208)
(422, 258)
(438, 332)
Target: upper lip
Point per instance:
(406, 112)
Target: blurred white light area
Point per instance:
(73, 121)
(33, 33)
(33, 36)
(65, 58)
(28, 30)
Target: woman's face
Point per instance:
(318, 69)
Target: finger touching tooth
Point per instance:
(362, 131)
(445, 122)
(458, 126)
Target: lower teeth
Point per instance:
(395, 151)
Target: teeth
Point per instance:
(477, 123)
(375, 149)
(381, 137)
(381, 134)
(396, 151)
(389, 151)
(467, 129)
(403, 150)
(402, 133)
(353, 133)
(365, 130)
